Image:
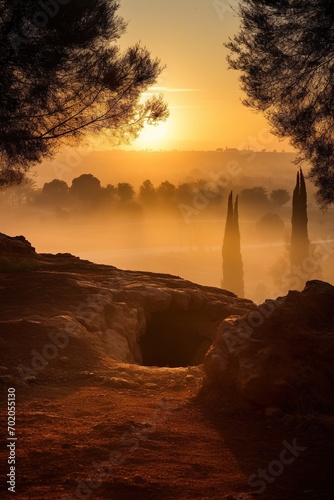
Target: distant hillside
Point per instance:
(270, 169)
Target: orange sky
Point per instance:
(203, 95)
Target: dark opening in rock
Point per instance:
(172, 339)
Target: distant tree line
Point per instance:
(87, 194)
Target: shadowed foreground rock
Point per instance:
(281, 354)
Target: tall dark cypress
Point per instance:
(300, 244)
(233, 272)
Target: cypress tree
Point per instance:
(300, 244)
(233, 273)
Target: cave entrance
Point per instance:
(172, 340)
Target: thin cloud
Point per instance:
(190, 106)
(172, 89)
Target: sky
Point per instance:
(203, 95)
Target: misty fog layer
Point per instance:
(175, 225)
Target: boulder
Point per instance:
(15, 246)
(279, 355)
(16, 253)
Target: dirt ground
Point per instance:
(132, 432)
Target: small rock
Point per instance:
(6, 379)
(3, 369)
(118, 383)
(30, 379)
(139, 479)
(64, 359)
(151, 386)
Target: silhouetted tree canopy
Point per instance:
(255, 198)
(125, 192)
(55, 191)
(62, 75)
(147, 192)
(185, 192)
(270, 227)
(280, 197)
(166, 191)
(108, 194)
(56, 185)
(285, 52)
(86, 188)
(200, 184)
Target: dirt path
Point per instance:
(128, 432)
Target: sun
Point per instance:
(154, 136)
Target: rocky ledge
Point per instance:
(61, 313)
(281, 354)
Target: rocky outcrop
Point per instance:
(13, 248)
(61, 313)
(69, 308)
(279, 355)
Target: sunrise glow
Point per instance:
(154, 136)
